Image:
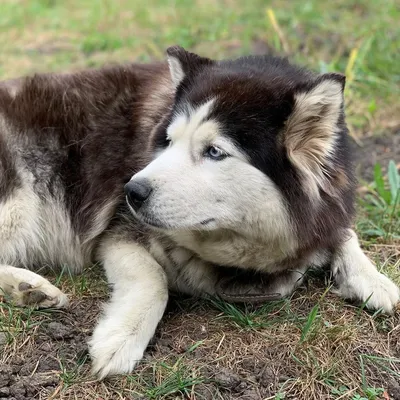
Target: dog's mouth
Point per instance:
(147, 220)
(152, 222)
(156, 223)
(207, 221)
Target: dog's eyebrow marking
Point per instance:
(199, 115)
(186, 125)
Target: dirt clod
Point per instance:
(18, 390)
(251, 394)
(5, 375)
(394, 389)
(3, 339)
(59, 331)
(227, 378)
(4, 392)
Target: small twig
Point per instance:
(55, 393)
(36, 367)
(220, 342)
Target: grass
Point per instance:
(250, 317)
(359, 38)
(176, 379)
(311, 346)
(70, 376)
(18, 322)
(381, 205)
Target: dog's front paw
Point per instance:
(376, 290)
(38, 292)
(115, 349)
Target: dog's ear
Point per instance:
(312, 128)
(183, 63)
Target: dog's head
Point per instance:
(248, 143)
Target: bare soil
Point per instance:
(377, 149)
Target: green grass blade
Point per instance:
(363, 378)
(380, 184)
(394, 180)
(310, 320)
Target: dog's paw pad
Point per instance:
(24, 286)
(41, 295)
(35, 297)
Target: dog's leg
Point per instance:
(197, 277)
(27, 288)
(358, 279)
(139, 298)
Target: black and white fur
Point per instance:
(227, 166)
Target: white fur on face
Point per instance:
(192, 191)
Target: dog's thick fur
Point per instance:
(228, 166)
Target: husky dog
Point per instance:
(240, 165)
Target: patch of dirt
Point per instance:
(377, 149)
(54, 346)
(196, 339)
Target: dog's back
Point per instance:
(67, 143)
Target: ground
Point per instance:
(311, 346)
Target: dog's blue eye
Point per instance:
(215, 153)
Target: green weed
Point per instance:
(252, 317)
(381, 205)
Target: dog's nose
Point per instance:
(137, 191)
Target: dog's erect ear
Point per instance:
(182, 63)
(311, 130)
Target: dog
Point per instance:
(175, 176)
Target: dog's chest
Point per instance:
(193, 267)
(235, 251)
